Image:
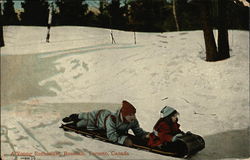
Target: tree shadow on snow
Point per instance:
(20, 77)
(230, 144)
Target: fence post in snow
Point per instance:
(134, 37)
(49, 22)
(112, 37)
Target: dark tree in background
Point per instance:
(188, 15)
(113, 15)
(35, 12)
(149, 15)
(223, 44)
(71, 12)
(9, 14)
(135, 15)
(91, 19)
(207, 10)
(238, 16)
(1, 27)
(175, 15)
(104, 17)
(211, 50)
(117, 14)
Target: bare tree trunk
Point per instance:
(223, 44)
(51, 8)
(134, 37)
(211, 50)
(175, 15)
(1, 37)
(112, 37)
(1, 27)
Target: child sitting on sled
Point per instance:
(166, 131)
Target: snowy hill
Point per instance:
(80, 70)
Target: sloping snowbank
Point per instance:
(80, 70)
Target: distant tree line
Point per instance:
(1, 28)
(134, 15)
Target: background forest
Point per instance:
(132, 15)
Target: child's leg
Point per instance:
(82, 120)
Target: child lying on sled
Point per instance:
(166, 131)
(116, 125)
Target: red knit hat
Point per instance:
(127, 108)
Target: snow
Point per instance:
(80, 70)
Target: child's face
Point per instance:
(174, 118)
(130, 117)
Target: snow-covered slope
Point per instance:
(80, 70)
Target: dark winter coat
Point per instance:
(163, 133)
